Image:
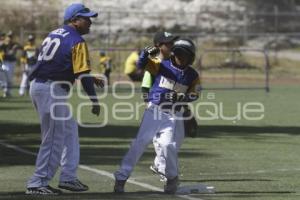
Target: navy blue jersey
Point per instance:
(169, 78)
(63, 54)
(10, 51)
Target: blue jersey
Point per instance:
(63, 54)
(169, 78)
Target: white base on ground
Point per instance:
(194, 189)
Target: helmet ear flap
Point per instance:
(182, 50)
(192, 60)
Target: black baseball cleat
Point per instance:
(74, 186)
(119, 186)
(44, 190)
(171, 186)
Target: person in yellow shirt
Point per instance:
(2, 72)
(105, 65)
(2, 38)
(131, 69)
(28, 60)
(10, 48)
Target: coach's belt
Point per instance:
(41, 80)
(62, 85)
(168, 108)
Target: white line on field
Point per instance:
(16, 148)
(99, 172)
(110, 175)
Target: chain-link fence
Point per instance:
(127, 30)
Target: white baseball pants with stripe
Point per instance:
(159, 161)
(25, 82)
(8, 68)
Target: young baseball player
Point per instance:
(2, 38)
(175, 83)
(105, 65)
(63, 57)
(10, 48)
(2, 73)
(28, 60)
(130, 68)
(164, 42)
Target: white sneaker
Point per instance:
(45, 190)
(6, 95)
(21, 94)
(75, 186)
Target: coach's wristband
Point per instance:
(88, 86)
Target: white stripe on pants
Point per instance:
(159, 160)
(60, 144)
(25, 82)
(3, 79)
(8, 69)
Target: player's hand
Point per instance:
(99, 82)
(152, 51)
(96, 109)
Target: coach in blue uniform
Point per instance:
(63, 57)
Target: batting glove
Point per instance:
(152, 51)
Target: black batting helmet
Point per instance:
(186, 46)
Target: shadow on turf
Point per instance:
(214, 131)
(87, 195)
(10, 108)
(253, 194)
(226, 180)
(138, 195)
(108, 152)
(256, 192)
(203, 131)
(119, 131)
(92, 151)
(15, 100)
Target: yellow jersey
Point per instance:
(130, 63)
(105, 63)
